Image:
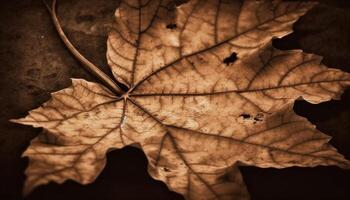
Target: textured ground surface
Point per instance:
(34, 62)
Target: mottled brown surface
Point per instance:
(34, 62)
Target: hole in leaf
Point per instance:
(245, 116)
(171, 26)
(232, 58)
(166, 169)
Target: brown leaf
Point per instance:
(207, 92)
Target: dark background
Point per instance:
(34, 62)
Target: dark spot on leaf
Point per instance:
(255, 118)
(200, 58)
(171, 26)
(245, 116)
(259, 117)
(191, 62)
(231, 59)
(166, 169)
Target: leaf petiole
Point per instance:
(85, 62)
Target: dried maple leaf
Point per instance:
(206, 93)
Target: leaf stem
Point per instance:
(85, 62)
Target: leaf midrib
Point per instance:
(237, 91)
